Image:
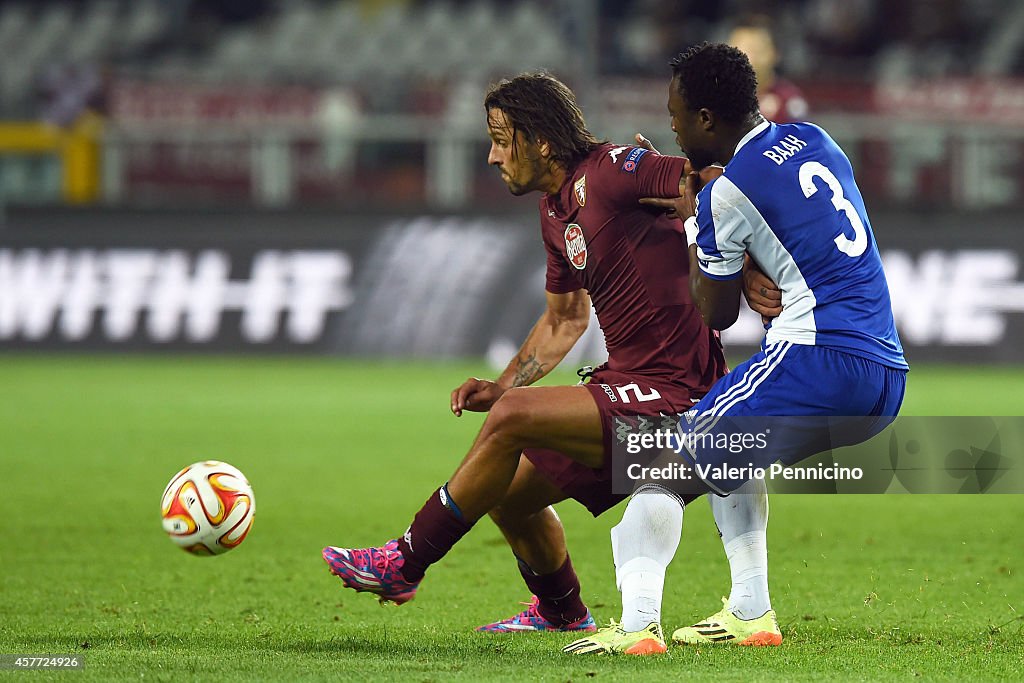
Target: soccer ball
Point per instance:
(208, 508)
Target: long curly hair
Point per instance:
(542, 107)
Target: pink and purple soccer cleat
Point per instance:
(531, 620)
(373, 570)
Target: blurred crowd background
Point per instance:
(378, 102)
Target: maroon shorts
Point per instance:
(617, 395)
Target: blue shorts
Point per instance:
(787, 403)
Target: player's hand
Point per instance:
(477, 395)
(762, 295)
(641, 141)
(684, 205)
(706, 174)
(671, 207)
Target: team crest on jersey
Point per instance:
(580, 188)
(576, 246)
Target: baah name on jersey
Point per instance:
(787, 147)
(576, 246)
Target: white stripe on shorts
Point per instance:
(742, 390)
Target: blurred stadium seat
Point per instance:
(923, 93)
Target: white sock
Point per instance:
(643, 545)
(742, 520)
(642, 585)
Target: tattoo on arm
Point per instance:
(528, 370)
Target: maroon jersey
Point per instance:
(783, 102)
(634, 263)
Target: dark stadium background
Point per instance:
(266, 232)
(355, 128)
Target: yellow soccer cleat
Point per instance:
(726, 628)
(612, 640)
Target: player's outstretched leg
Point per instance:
(562, 418)
(535, 534)
(387, 570)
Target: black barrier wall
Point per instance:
(432, 286)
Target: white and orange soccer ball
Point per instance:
(208, 508)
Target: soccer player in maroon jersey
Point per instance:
(780, 99)
(541, 445)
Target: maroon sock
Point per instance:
(559, 593)
(433, 532)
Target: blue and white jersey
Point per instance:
(788, 197)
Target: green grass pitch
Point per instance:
(344, 452)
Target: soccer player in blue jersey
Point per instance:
(787, 199)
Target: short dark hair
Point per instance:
(541, 106)
(717, 77)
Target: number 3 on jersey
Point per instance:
(813, 169)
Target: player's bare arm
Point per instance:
(563, 322)
(718, 300)
(761, 293)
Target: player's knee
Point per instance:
(509, 418)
